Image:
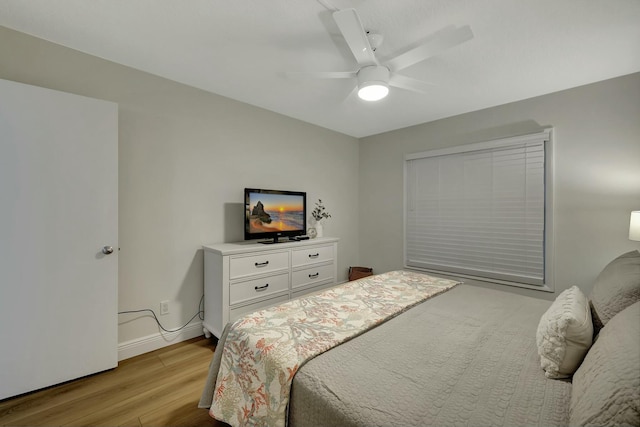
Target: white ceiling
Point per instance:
(241, 48)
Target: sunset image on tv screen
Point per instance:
(275, 212)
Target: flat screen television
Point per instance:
(272, 214)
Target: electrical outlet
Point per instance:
(164, 307)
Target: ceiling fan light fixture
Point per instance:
(373, 91)
(373, 82)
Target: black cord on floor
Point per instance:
(199, 314)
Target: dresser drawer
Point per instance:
(258, 288)
(311, 255)
(243, 266)
(313, 276)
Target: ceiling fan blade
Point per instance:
(351, 28)
(351, 96)
(404, 82)
(321, 74)
(441, 41)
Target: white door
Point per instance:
(58, 209)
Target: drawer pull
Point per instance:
(316, 255)
(261, 288)
(313, 276)
(261, 264)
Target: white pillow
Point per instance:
(565, 333)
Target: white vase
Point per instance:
(319, 229)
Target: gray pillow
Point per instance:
(616, 288)
(606, 387)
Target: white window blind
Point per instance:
(479, 209)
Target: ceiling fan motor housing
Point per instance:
(373, 82)
(373, 74)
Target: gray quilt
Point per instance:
(466, 357)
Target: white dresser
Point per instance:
(246, 276)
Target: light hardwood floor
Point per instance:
(160, 388)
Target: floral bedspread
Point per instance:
(263, 350)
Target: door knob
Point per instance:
(107, 250)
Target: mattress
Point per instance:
(258, 355)
(466, 357)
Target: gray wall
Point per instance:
(185, 156)
(597, 174)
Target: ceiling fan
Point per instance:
(374, 78)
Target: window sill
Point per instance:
(461, 277)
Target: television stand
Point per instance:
(236, 275)
(284, 240)
(274, 241)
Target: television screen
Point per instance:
(274, 213)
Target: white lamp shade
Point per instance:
(373, 92)
(634, 226)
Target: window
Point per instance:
(482, 210)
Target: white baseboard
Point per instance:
(152, 342)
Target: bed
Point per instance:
(464, 355)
